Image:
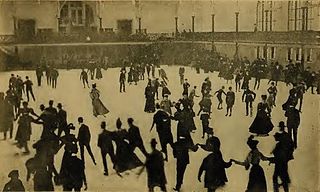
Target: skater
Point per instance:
(204, 117)
(155, 169)
(219, 96)
(126, 159)
(150, 102)
(186, 86)
(300, 92)
(163, 75)
(166, 104)
(84, 78)
(293, 122)
(134, 137)
(272, 90)
(148, 68)
(214, 167)
(84, 138)
(238, 80)
(106, 147)
(230, 99)
(181, 74)
(72, 172)
(6, 116)
(165, 90)
(153, 70)
(122, 81)
(15, 184)
(206, 87)
(155, 84)
(181, 153)
(248, 96)
(24, 126)
(54, 75)
(246, 79)
(13, 81)
(163, 126)
(276, 73)
(61, 119)
(262, 124)
(193, 94)
(257, 180)
(39, 75)
(98, 73)
(98, 107)
(29, 90)
(282, 155)
(205, 105)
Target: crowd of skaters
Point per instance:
(57, 132)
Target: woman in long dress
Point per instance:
(214, 167)
(7, 116)
(24, 126)
(262, 124)
(98, 73)
(150, 101)
(98, 107)
(126, 159)
(257, 180)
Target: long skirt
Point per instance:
(262, 124)
(98, 74)
(24, 130)
(99, 108)
(150, 105)
(257, 180)
(126, 159)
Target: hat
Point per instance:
(281, 124)
(166, 95)
(130, 120)
(94, 85)
(118, 123)
(252, 143)
(13, 173)
(59, 105)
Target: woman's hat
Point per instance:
(252, 143)
(281, 124)
(13, 173)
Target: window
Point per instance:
(258, 52)
(298, 54)
(309, 54)
(289, 54)
(272, 53)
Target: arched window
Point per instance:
(76, 14)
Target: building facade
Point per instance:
(274, 30)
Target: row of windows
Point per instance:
(296, 54)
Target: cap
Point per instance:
(13, 173)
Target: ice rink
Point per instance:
(232, 131)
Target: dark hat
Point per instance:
(59, 105)
(281, 124)
(130, 120)
(264, 96)
(13, 173)
(94, 85)
(118, 123)
(252, 143)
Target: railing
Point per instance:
(48, 36)
(6, 39)
(263, 37)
